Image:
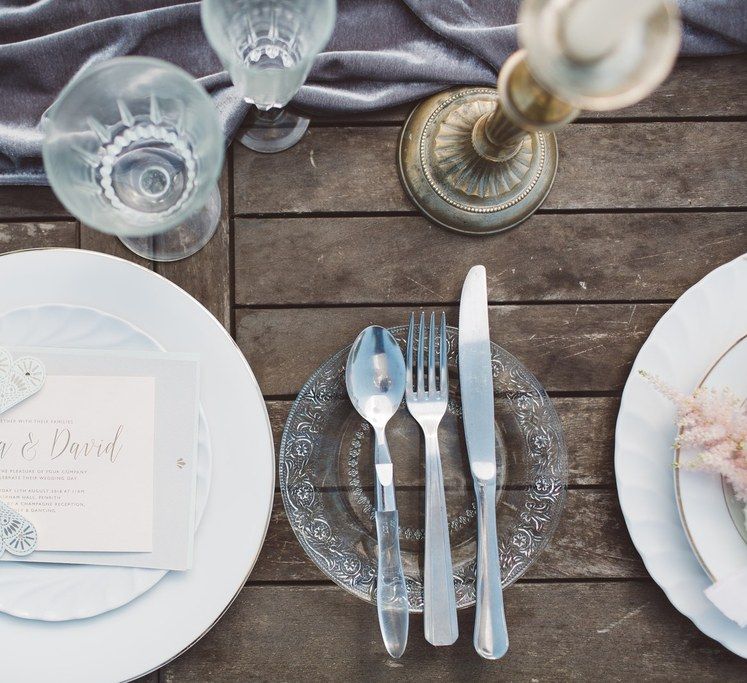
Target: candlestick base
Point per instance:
(454, 185)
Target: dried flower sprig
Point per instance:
(714, 423)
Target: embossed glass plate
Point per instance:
(327, 477)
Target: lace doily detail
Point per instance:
(17, 534)
(19, 379)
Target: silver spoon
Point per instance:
(375, 378)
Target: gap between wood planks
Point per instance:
(415, 212)
(586, 393)
(584, 120)
(436, 304)
(300, 583)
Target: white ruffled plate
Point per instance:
(61, 592)
(139, 637)
(707, 319)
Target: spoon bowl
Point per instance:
(375, 375)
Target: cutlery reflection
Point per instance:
(427, 406)
(375, 379)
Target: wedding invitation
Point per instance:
(77, 455)
(103, 458)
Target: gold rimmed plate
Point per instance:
(712, 517)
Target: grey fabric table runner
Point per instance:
(382, 53)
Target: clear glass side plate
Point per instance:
(327, 477)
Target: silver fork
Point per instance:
(428, 408)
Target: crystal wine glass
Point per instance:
(268, 47)
(133, 147)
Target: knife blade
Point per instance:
(478, 408)
(476, 375)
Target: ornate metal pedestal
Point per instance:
(481, 160)
(473, 185)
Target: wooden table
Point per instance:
(319, 241)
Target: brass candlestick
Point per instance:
(481, 160)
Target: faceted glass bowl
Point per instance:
(268, 46)
(133, 146)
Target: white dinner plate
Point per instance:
(704, 322)
(712, 519)
(58, 592)
(142, 635)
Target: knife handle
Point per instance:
(391, 592)
(439, 597)
(491, 634)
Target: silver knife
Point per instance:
(476, 381)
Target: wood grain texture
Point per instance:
(602, 166)
(330, 169)
(696, 87)
(637, 166)
(717, 81)
(618, 631)
(29, 201)
(589, 431)
(590, 541)
(150, 678)
(206, 275)
(14, 236)
(588, 428)
(569, 347)
(592, 257)
(95, 240)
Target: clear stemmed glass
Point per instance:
(133, 147)
(268, 47)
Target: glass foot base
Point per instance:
(274, 131)
(182, 241)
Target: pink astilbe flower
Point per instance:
(714, 423)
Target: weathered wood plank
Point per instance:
(589, 430)
(331, 169)
(636, 166)
(602, 166)
(716, 80)
(567, 631)
(14, 236)
(588, 427)
(590, 541)
(95, 240)
(206, 275)
(588, 257)
(697, 87)
(149, 678)
(29, 202)
(569, 347)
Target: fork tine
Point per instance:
(432, 356)
(444, 360)
(421, 346)
(410, 340)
